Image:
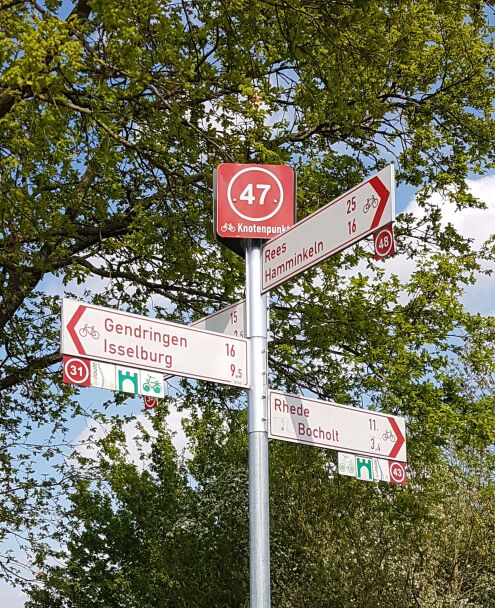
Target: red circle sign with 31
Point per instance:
(76, 371)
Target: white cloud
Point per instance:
(475, 224)
(478, 225)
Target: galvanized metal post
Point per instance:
(259, 526)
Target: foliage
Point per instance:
(112, 120)
(146, 537)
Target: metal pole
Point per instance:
(259, 525)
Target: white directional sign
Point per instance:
(346, 220)
(140, 342)
(339, 427)
(229, 321)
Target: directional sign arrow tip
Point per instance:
(400, 437)
(384, 195)
(71, 328)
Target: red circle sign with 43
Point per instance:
(76, 370)
(254, 201)
(397, 473)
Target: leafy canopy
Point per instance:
(112, 120)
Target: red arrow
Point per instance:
(71, 328)
(400, 437)
(384, 195)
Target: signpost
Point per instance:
(339, 427)
(353, 216)
(104, 334)
(259, 524)
(252, 204)
(230, 321)
(254, 201)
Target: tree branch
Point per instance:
(163, 290)
(10, 4)
(14, 376)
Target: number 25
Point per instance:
(351, 205)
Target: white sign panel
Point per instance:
(346, 220)
(103, 375)
(229, 321)
(372, 469)
(140, 342)
(339, 427)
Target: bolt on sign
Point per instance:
(252, 202)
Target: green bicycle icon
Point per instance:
(347, 467)
(150, 384)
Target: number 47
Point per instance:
(249, 196)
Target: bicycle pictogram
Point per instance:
(389, 435)
(371, 202)
(89, 330)
(347, 464)
(150, 384)
(228, 227)
(347, 467)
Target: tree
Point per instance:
(112, 121)
(144, 536)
